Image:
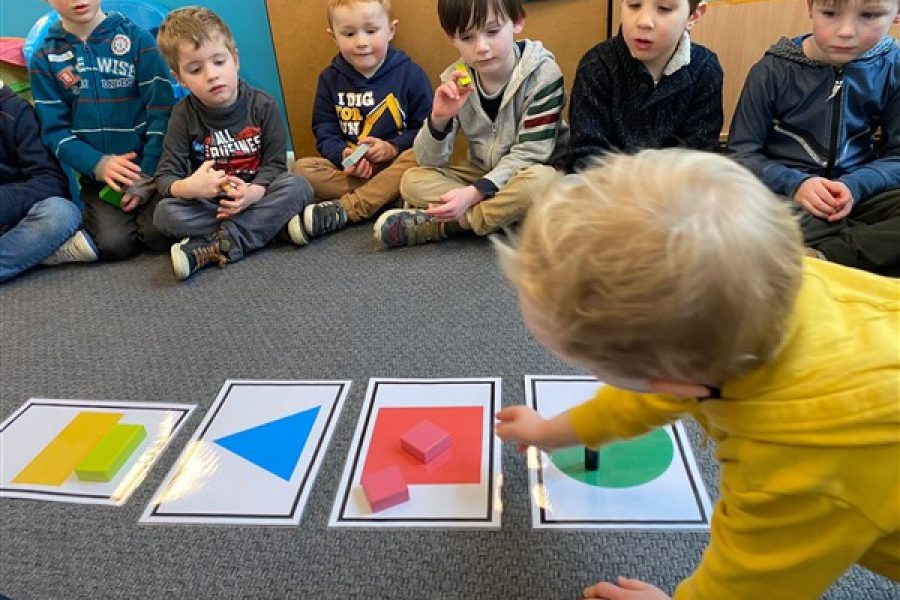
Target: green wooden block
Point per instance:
(107, 457)
(107, 194)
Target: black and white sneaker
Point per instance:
(192, 254)
(324, 217)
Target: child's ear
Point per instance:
(518, 26)
(392, 28)
(695, 16)
(329, 31)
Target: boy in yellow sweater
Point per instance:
(678, 277)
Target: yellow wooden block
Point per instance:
(54, 464)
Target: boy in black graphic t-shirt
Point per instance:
(223, 173)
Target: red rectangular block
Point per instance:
(385, 488)
(425, 441)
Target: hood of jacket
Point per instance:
(393, 60)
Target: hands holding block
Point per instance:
(225, 187)
(357, 156)
(111, 196)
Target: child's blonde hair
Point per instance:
(669, 264)
(333, 4)
(191, 24)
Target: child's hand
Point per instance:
(362, 169)
(522, 425)
(130, 202)
(240, 196)
(816, 197)
(118, 170)
(205, 182)
(843, 196)
(455, 203)
(380, 151)
(625, 589)
(448, 99)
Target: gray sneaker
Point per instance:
(78, 248)
(403, 227)
(324, 217)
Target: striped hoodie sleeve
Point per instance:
(157, 95)
(538, 127)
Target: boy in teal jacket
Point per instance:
(103, 95)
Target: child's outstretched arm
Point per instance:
(526, 427)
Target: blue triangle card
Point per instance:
(275, 446)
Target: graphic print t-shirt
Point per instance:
(247, 140)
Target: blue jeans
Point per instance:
(48, 224)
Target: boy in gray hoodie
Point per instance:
(509, 106)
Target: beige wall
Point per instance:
(302, 48)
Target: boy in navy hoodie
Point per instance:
(371, 95)
(103, 95)
(806, 125)
(37, 221)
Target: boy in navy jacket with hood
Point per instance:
(806, 121)
(104, 96)
(37, 221)
(371, 94)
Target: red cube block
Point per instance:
(425, 441)
(385, 488)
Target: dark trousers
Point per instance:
(868, 238)
(120, 234)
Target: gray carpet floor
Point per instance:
(342, 308)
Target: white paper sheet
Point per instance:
(253, 459)
(674, 497)
(30, 429)
(466, 481)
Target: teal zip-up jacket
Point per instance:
(109, 94)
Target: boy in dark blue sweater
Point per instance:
(648, 87)
(372, 97)
(37, 221)
(103, 95)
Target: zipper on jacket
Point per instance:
(803, 143)
(835, 97)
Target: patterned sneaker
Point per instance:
(808, 251)
(324, 217)
(192, 254)
(78, 248)
(295, 233)
(401, 227)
